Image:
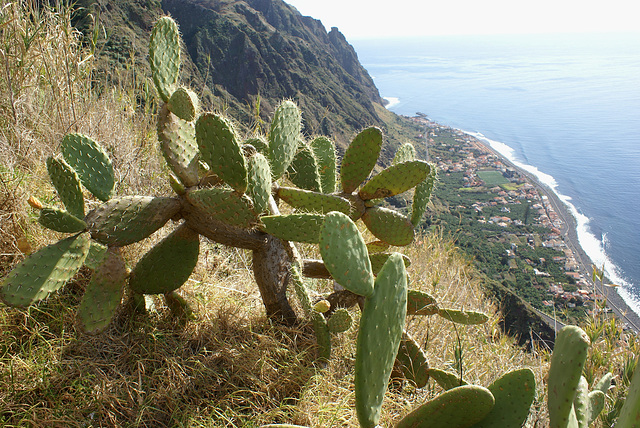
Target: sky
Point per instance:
(358, 19)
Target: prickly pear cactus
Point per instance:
(164, 56)
(91, 162)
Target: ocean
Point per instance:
(565, 107)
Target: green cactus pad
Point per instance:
(303, 170)
(463, 317)
(123, 221)
(340, 321)
(395, 180)
(220, 149)
(323, 336)
(421, 303)
(406, 152)
(377, 247)
(164, 56)
(604, 384)
(260, 143)
(184, 103)
(97, 253)
(459, 407)
(447, 380)
(325, 152)
(379, 336)
(294, 227)
(413, 361)
(630, 412)
(596, 405)
(225, 205)
(379, 259)
(44, 271)
(178, 145)
(360, 158)
(421, 197)
(313, 202)
(259, 182)
(581, 403)
(60, 221)
(91, 163)
(389, 226)
(345, 254)
(103, 294)
(67, 184)
(567, 361)
(514, 393)
(284, 135)
(168, 264)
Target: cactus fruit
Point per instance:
(294, 227)
(103, 294)
(44, 271)
(220, 149)
(379, 259)
(421, 197)
(225, 205)
(35, 203)
(324, 151)
(421, 303)
(630, 412)
(303, 170)
(91, 163)
(184, 103)
(389, 226)
(67, 184)
(340, 321)
(514, 393)
(446, 380)
(178, 145)
(284, 135)
(60, 221)
(406, 152)
(259, 182)
(123, 221)
(379, 336)
(459, 407)
(322, 306)
(360, 158)
(345, 254)
(413, 361)
(567, 361)
(306, 200)
(396, 179)
(168, 264)
(463, 317)
(164, 56)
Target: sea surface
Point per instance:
(564, 107)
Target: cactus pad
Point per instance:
(581, 403)
(44, 271)
(322, 306)
(360, 158)
(97, 253)
(379, 336)
(395, 180)
(596, 405)
(103, 294)
(389, 226)
(225, 205)
(325, 152)
(413, 361)
(378, 260)
(630, 412)
(259, 182)
(67, 184)
(168, 264)
(514, 393)
(61, 221)
(345, 254)
(184, 103)
(323, 336)
(447, 380)
(313, 202)
(421, 303)
(340, 321)
(178, 145)
(377, 247)
(220, 149)
(459, 407)
(284, 135)
(421, 197)
(123, 221)
(164, 56)
(604, 384)
(406, 152)
(260, 143)
(91, 163)
(303, 170)
(294, 227)
(463, 317)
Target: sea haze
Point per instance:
(566, 107)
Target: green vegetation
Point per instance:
(492, 178)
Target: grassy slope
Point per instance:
(230, 367)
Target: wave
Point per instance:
(391, 101)
(594, 248)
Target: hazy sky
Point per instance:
(361, 19)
